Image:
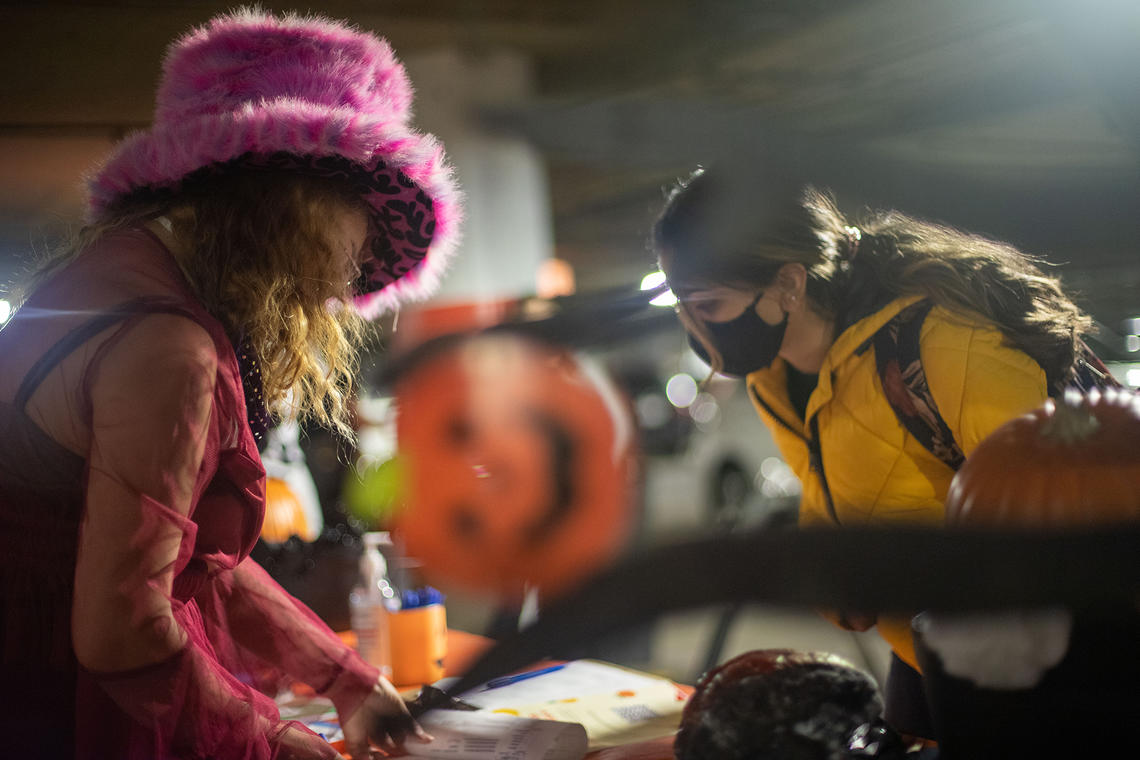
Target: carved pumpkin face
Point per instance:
(1071, 461)
(518, 462)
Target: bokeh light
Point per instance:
(681, 390)
(654, 280)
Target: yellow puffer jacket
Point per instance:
(877, 472)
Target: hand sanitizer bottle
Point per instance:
(370, 602)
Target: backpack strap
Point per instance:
(1089, 372)
(84, 332)
(899, 362)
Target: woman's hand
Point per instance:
(382, 718)
(297, 744)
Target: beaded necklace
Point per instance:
(252, 386)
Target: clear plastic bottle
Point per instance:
(370, 601)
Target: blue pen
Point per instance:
(495, 683)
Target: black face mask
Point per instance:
(745, 344)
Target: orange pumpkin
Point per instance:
(518, 462)
(1074, 460)
(284, 514)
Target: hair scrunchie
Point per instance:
(852, 237)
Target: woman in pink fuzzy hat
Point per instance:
(232, 253)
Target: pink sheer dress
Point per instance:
(131, 493)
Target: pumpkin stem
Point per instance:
(1072, 422)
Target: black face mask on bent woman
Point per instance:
(745, 344)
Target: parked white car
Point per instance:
(710, 463)
(1128, 373)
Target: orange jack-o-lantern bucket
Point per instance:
(519, 460)
(284, 514)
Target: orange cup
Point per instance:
(419, 644)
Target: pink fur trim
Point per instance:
(250, 82)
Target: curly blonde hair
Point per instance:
(256, 248)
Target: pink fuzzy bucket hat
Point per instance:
(308, 94)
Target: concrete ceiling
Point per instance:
(1014, 118)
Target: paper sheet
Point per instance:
(614, 704)
(583, 706)
(461, 735)
(317, 713)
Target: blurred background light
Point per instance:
(770, 467)
(5, 311)
(652, 410)
(555, 278)
(776, 479)
(652, 280)
(705, 411)
(656, 279)
(681, 390)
